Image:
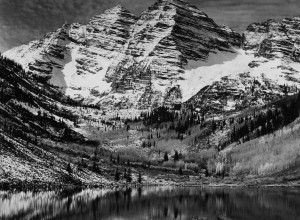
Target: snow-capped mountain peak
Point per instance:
(118, 56)
(166, 55)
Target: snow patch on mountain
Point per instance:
(79, 86)
(166, 56)
(24, 54)
(202, 73)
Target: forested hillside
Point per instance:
(35, 128)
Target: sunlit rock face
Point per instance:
(274, 39)
(123, 61)
(76, 57)
(163, 40)
(172, 53)
(269, 70)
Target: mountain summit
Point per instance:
(126, 61)
(172, 53)
(164, 40)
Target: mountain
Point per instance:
(76, 57)
(266, 70)
(274, 39)
(37, 123)
(90, 97)
(123, 61)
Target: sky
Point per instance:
(24, 20)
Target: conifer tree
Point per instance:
(140, 178)
(129, 176)
(117, 175)
(294, 111)
(118, 159)
(69, 168)
(125, 174)
(166, 158)
(298, 101)
(95, 167)
(180, 171)
(176, 156)
(213, 126)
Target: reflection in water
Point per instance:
(153, 203)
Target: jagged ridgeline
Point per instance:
(172, 53)
(144, 87)
(146, 60)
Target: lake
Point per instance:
(154, 203)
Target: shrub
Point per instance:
(192, 166)
(220, 168)
(211, 166)
(180, 164)
(170, 164)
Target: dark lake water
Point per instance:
(154, 203)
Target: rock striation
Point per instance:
(274, 39)
(271, 50)
(123, 57)
(172, 53)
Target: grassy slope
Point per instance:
(28, 163)
(276, 155)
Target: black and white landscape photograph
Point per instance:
(149, 109)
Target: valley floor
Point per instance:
(23, 166)
(270, 160)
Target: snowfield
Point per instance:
(199, 74)
(80, 86)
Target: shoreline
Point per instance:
(40, 187)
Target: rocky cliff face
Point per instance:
(164, 39)
(270, 69)
(123, 61)
(170, 33)
(76, 57)
(274, 39)
(172, 53)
